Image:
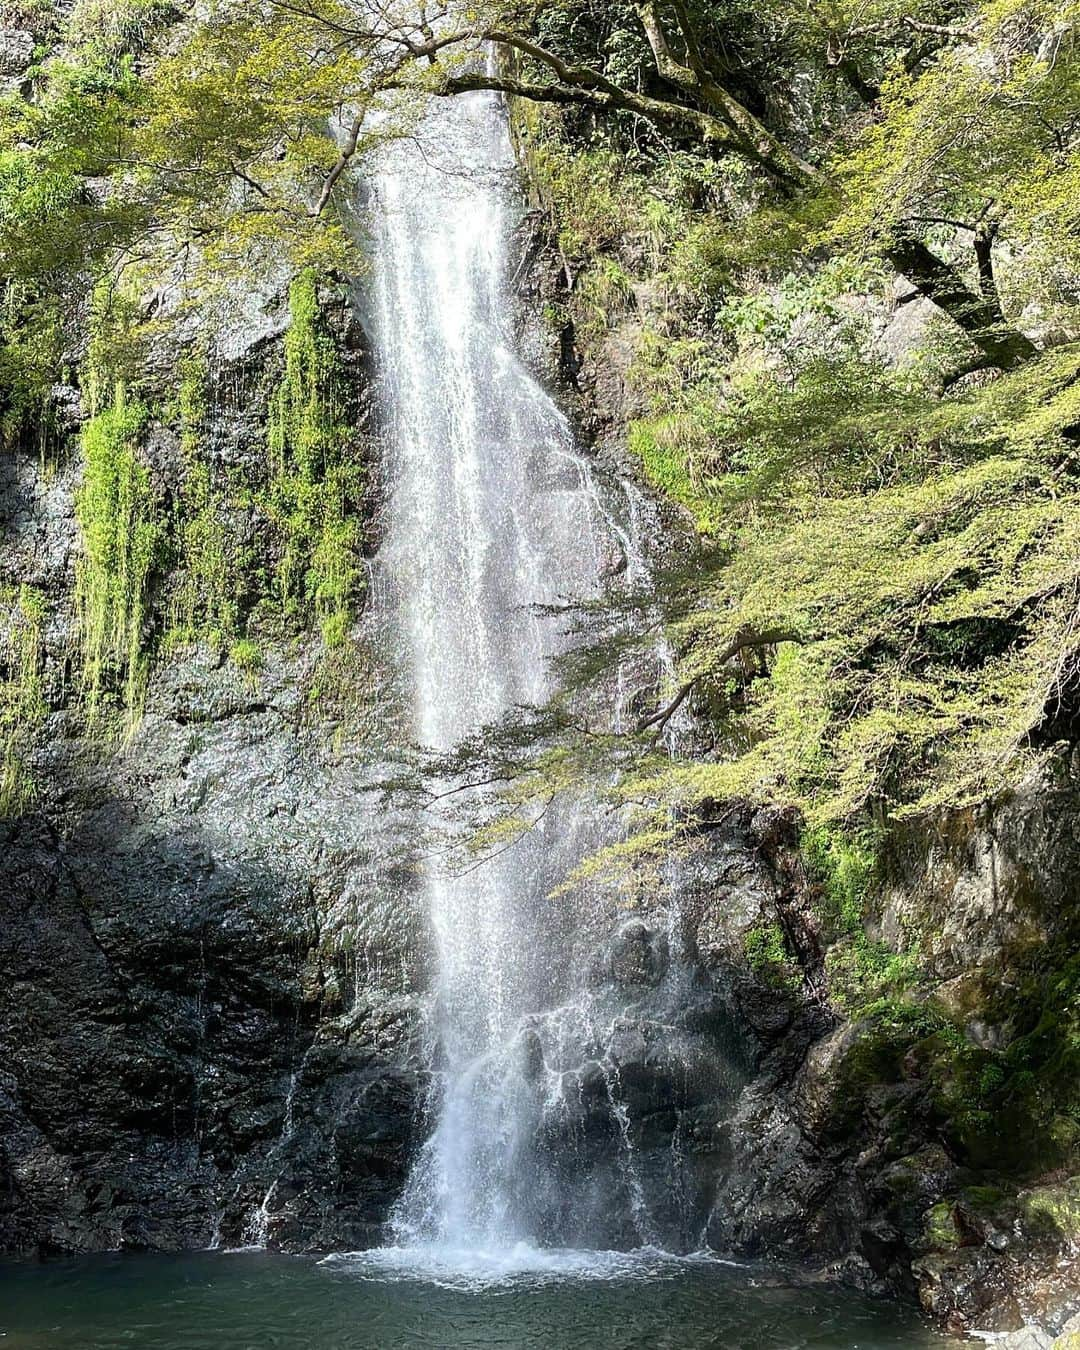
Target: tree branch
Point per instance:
(694, 52)
(660, 719)
(709, 128)
(577, 77)
(667, 66)
(722, 121)
(251, 182)
(745, 639)
(981, 319)
(348, 150)
(984, 258)
(753, 138)
(938, 29)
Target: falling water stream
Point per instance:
(492, 514)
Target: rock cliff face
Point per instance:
(880, 1145)
(212, 966)
(205, 994)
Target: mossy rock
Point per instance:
(1052, 1213)
(939, 1230)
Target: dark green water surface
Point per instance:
(252, 1301)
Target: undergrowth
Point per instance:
(122, 533)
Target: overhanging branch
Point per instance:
(746, 639)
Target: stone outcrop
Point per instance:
(207, 1002)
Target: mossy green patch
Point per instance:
(22, 703)
(122, 537)
(316, 489)
(768, 956)
(841, 866)
(211, 565)
(939, 1231)
(1053, 1212)
(246, 656)
(670, 466)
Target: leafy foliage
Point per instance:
(211, 561)
(315, 489)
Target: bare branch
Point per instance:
(348, 150)
(659, 720)
(939, 29)
(669, 68)
(694, 53)
(752, 138)
(707, 126)
(251, 182)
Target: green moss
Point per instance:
(211, 564)
(1053, 1212)
(889, 1030)
(113, 27)
(122, 539)
(671, 466)
(31, 351)
(246, 656)
(22, 703)
(595, 204)
(118, 343)
(987, 1112)
(315, 489)
(939, 1231)
(861, 972)
(1039, 1085)
(603, 291)
(841, 866)
(609, 222)
(767, 955)
(983, 1199)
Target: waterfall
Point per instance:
(487, 518)
(492, 513)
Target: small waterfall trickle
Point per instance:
(492, 513)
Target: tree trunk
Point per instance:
(979, 316)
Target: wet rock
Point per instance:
(532, 1054)
(967, 1288)
(638, 955)
(1027, 1338)
(183, 920)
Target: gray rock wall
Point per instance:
(208, 973)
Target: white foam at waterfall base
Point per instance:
(474, 1270)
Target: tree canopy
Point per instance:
(229, 128)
